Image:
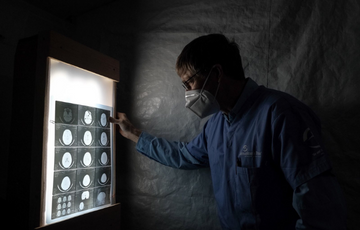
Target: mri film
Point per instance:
(102, 157)
(87, 116)
(86, 136)
(66, 113)
(86, 157)
(65, 135)
(101, 196)
(103, 118)
(103, 137)
(82, 161)
(84, 200)
(62, 205)
(65, 158)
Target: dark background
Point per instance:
(308, 48)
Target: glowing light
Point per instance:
(69, 83)
(74, 86)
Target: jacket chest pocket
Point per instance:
(253, 188)
(243, 193)
(263, 197)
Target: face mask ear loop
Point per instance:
(217, 89)
(207, 78)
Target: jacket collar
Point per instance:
(249, 88)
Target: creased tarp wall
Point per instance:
(309, 49)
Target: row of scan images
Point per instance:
(69, 135)
(72, 114)
(72, 158)
(66, 204)
(74, 180)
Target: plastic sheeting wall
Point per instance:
(309, 49)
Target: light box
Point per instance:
(78, 146)
(62, 163)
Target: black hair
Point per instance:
(206, 51)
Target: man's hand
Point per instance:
(127, 129)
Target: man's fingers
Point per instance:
(113, 120)
(121, 121)
(125, 127)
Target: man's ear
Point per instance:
(219, 71)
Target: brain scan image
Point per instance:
(103, 120)
(87, 159)
(87, 138)
(63, 205)
(86, 180)
(81, 206)
(103, 139)
(104, 158)
(65, 184)
(102, 117)
(101, 198)
(103, 178)
(88, 117)
(85, 195)
(67, 137)
(67, 160)
(67, 115)
(84, 200)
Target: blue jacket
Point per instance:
(267, 161)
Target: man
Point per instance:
(267, 161)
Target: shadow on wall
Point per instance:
(341, 137)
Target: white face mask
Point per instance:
(201, 101)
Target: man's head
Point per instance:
(201, 54)
(211, 72)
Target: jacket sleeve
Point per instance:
(297, 144)
(320, 204)
(170, 153)
(298, 149)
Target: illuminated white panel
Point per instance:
(79, 166)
